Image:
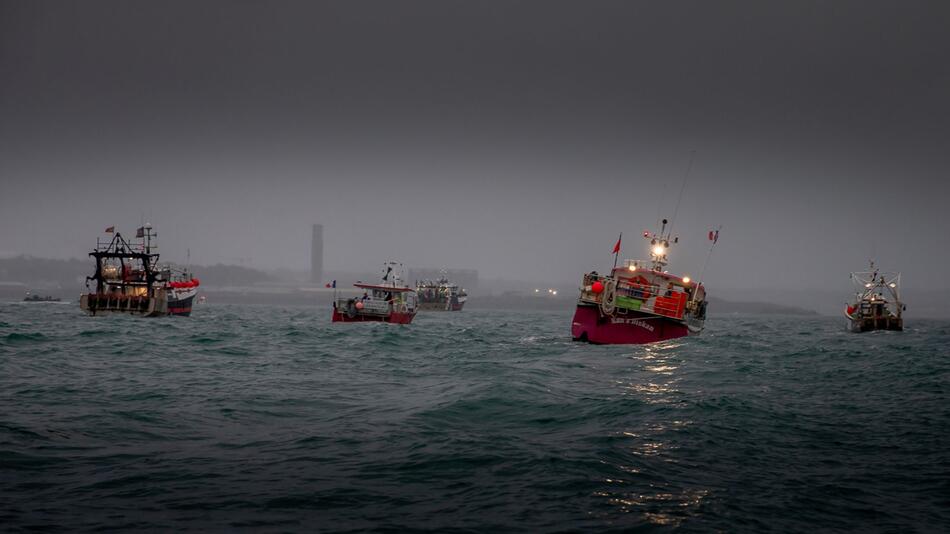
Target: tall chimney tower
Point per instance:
(316, 255)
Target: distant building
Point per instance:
(466, 278)
(316, 255)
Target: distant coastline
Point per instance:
(232, 284)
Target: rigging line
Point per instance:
(692, 155)
(659, 206)
(708, 255)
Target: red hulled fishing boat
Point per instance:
(640, 301)
(390, 301)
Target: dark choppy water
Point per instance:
(271, 418)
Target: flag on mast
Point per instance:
(110, 230)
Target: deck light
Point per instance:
(685, 279)
(632, 268)
(893, 285)
(658, 250)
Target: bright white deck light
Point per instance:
(685, 279)
(658, 250)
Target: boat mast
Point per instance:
(660, 245)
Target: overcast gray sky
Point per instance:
(517, 138)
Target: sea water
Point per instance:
(271, 418)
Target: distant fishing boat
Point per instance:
(877, 304)
(640, 301)
(440, 295)
(390, 301)
(128, 279)
(36, 298)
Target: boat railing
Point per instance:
(376, 307)
(639, 264)
(370, 306)
(630, 296)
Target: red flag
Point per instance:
(711, 235)
(617, 246)
(110, 230)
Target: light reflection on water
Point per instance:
(654, 380)
(660, 507)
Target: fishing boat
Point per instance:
(877, 304)
(128, 279)
(32, 297)
(389, 301)
(440, 295)
(640, 301)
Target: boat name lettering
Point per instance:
(637, 322)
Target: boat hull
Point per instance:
(634, 327)
(340, 316)
(169, 302)
(109, 304)
(441, 306)
(180, 301)
(870, 324)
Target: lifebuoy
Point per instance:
(642, 285)
(609, 297)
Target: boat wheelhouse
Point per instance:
(390, 301)
(128, 280)
(877, 304)
(639, 301)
